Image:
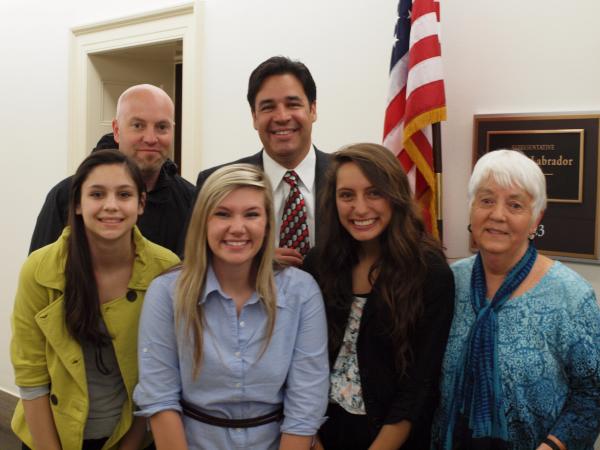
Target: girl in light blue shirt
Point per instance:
(233, 353)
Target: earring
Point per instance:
(532, 235)
(469, 228)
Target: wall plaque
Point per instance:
(565, 146)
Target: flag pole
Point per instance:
(436, 130)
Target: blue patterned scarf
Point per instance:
(475, 408)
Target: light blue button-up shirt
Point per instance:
(235, 381)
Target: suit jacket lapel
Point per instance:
(320, 170)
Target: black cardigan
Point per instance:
(389, 397)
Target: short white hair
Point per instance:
(510, 168)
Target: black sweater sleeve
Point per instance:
(418, 394)
(53, 216)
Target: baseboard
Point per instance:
(8, 402)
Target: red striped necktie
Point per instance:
(294, 223)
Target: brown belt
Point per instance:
(190, 411)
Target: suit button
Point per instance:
(131, 296)
(53, 399)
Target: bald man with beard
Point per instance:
(143, 129)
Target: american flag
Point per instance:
(416, 99)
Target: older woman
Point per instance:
(522, 366)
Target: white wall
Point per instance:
(509, 56)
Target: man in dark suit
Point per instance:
(283, 100)
(143, 130)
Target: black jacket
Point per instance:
(163, 220)
(390, 397)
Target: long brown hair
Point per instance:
(82, 302)
(188, 313)
(401, 268)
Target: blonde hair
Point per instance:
(188, 312)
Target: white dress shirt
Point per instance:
(281, 189)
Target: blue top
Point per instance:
(234, 382)
(549, 358)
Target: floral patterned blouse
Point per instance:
(346, 389)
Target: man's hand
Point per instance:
(288, 256)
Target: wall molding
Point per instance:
(159, 14)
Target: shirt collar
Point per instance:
(305, 170)
(212, 285)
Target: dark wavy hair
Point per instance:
(280, 65)
(399, 275)
(82, 303)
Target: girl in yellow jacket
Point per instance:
(76, 313)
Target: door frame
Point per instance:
(164, 25)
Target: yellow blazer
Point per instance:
(43, 352)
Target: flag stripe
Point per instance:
(424, 146)
(424, 73)
(415, 154)
(395, 112)
(421, 9)
(398, 76)
(422, 27)
(420, 108)
(393, 140)
(405, 160)
(424, 49)
(421, 185)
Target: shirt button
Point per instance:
(242, 323)
(238, 384)
(145, 350)
(237, 354)
(238, 429)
